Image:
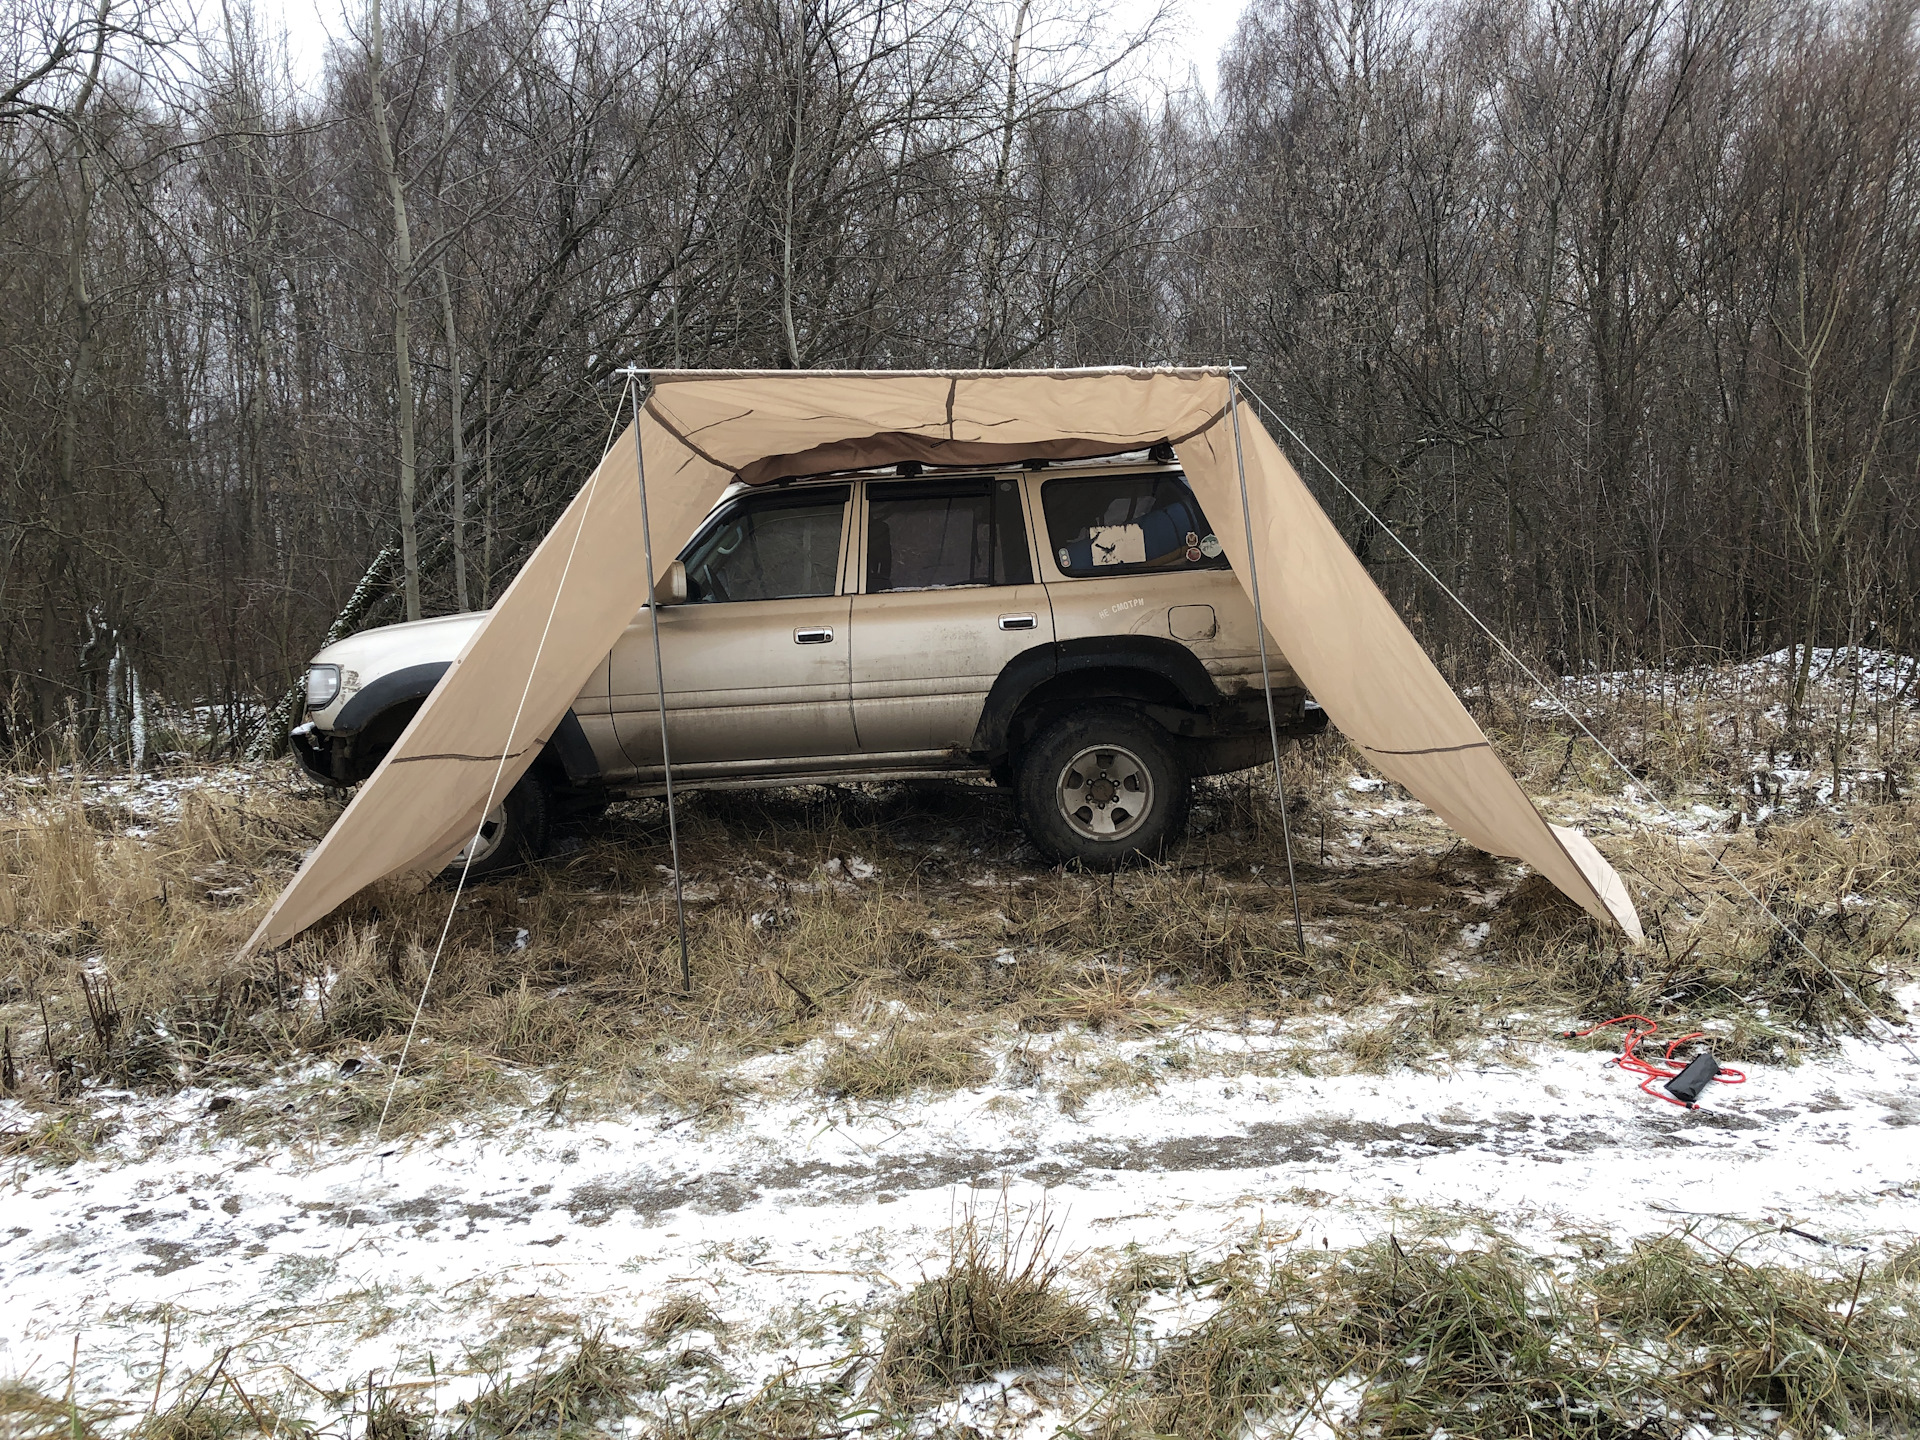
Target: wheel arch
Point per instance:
(370, 723)
(1162, 677)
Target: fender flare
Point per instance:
(1166, 660)
(396, 687)
(567, 746)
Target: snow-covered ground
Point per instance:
(428, 1261)
(436, 1262)
(139, 802)
(1836, 675)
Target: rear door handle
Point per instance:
(813, 635)
(1018, 622)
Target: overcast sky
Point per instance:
(1202, 30)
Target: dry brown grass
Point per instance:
(212, 1405)
(570, 969)
(1851, 891)
(790, 1406)
(999, 1305)
(1142, 1273)
(1492, 1342)
(388, 1417)
(30, 1413)
(677, 1313)
(594, 1380)
(903, 1059)
(1451, 1329)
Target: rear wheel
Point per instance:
(1102, 786)
(514, 832)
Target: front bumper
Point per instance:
(318, 755)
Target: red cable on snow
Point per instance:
(1636, 1064)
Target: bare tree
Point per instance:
(1612, 304)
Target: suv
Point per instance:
(1070, 630)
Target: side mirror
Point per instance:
(671, 587)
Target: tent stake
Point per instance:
(642, 387)
(1266, 675)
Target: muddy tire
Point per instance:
(1102, 786)
(514, 833)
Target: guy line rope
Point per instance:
(493, 789)
(1719, 860)
(506, 746)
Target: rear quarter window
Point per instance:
(1121, 524)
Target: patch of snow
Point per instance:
(801, 1208)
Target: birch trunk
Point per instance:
(995, 298)
(402, 317)
(455, 382)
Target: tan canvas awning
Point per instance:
(702, 430)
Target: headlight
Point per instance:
(323, 683)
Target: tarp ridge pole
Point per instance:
(642, 387)
(1266, 673)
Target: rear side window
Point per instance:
(938, 534)
(780, 547)
(1117, 524)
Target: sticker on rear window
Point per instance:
(1118, 544)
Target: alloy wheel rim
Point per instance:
(475, 852)
(1105, 792)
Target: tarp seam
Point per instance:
(673, 430)
(482, 759)
(1433, 750)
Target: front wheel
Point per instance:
(514, 832)
(1102, 786)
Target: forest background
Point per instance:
(1608, 306)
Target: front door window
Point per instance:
(780, 547)
(756, 663)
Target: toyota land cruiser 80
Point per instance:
(1071, 631)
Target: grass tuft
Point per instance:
(1828, 1354)
(390, 1418)
(904, 1059)
(999, 1306)
(227, 1414)
(1412, 1340)
(786, 1407)
(598, 1380)
(678, 1313)
(27, 1413)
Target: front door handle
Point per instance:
(813, 635)
(1019, 622)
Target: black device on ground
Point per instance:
(1699, 1074)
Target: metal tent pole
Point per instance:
(1266, 675)
(642, 387)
